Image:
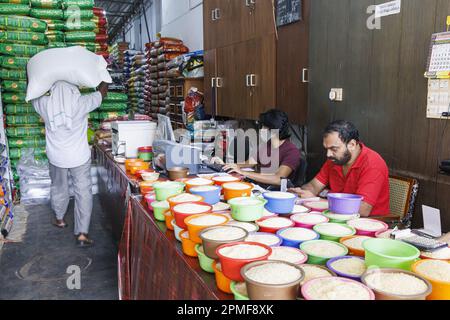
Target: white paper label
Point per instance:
(388, 8)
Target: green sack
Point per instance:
(14, 9)
(15, 1)
(15, 86)
(52, 45)
(11, 62)
(16, 109)
(82, 4)
(116, 97)
(110, 115)
(31, 142)
(13, 74)
(13, 49)
(11, 98)
(23, 37)
(46, 4)
(55, 36)
(80, 36)
(111, 106)
(29, 119)
(58, 25)
(17, 153)
(81, 26)
(78, 14)
(22, 23)
(56, 14)
(17, 132)
(90, 46)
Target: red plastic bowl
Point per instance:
(274, 229)
(231, 268)
(180, 216)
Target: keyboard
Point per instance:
(215, 167)
(424, 244)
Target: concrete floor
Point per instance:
(36, 268)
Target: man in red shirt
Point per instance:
(351, 168)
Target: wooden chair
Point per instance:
(403, 194)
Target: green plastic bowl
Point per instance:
(331, 237)
(386, 253)
(318, 260)
(165, 190)
(339, 218)
(237, 294)
(205, 263)
(159, 209)
(246, 212)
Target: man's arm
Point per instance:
(365, 210)
(90, 102)
(309, 190)
(103, 89)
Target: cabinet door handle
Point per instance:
(249, 3)
(218, 14)
(219, 82)
(213, 82)
(213, 15)
(247, 80)
(253, 80)
(304, 78)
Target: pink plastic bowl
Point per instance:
(300, 224)
(150, 198)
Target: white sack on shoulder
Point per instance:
(75, 65)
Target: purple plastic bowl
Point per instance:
(341, 274)
(343, 203)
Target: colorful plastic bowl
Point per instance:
(316, 258)
(210, 245)
(180, 215)
(304, 220)
(342, 274)
(441, 289)
(344, 203)
(220, 181)
(195, 229)
(280, 202)
(177, 230)
(167, 189)
(222, 282)
(210, 194)
(140, 172)
(150, 198)
(307, 286)
(353, 250)
(205, 263)
(276, 239)
(132, 162)
(264, 224)
(325, 235)
(150, 176)
(169, 218)
(231, 267)
(303, 257)
(317, 206)
(146, 187)
(237, 190)
(295, 243)
(238, 294)
(247, 209)
(159, 209)
(386, 253)
(188, 245)
(198, 182)
(175, 200)
(339, 218)
(370, 233)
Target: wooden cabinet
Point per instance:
(210, 70)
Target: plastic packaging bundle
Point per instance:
(16, 86)
(14, 9)
(14, 49)
(35, 182)
(22, 23)
(56, 14)
(23, 37)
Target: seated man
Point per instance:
(351, 168)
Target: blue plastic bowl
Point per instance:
(341, 274)
(295, 243)
(280, 205)
(212, 196)
(343, 203)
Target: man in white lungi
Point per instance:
(65, 112)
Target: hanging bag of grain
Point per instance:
(85, 69)
(13, 49)
(46, 4)
(11, 62)
(23, 37)
(54, 14)
(80, 36)
(22, 23)
(15, 86)
(14, 9)
(11, 74)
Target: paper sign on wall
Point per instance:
(388, 8)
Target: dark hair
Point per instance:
(346, 130)
(276, 120)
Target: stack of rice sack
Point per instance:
(113, 106)
(101, 32)
(135, 87)
(79, 24)
(151, 89)
(118, 53)
(129, 54)
(50, 11)
(159, 54)
(20, 38)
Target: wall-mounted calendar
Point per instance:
(439, 57)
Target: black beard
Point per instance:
(344, 160)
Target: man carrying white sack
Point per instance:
(65, 112)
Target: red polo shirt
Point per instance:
(368, 177)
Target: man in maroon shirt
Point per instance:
(351, 168)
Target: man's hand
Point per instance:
(233, 168)
(304, 194)
(103, 89)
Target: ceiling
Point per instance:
(119, 14)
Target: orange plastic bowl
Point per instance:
(219, 181)
(173, 203)
(441, 289)
(188, 245)
(223, 283)
(231, 193)
(189, 185)
(130, 162)
(351, 250)
(195, 230)
(139, 167)
(146, 187)
(181, 216)
(169, 218)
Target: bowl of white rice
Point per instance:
(333, 288)
(308, 220)
(368, 227)
(272, 280)
(441, 254)
(348, 267)
(396, 284)
(340, 218)
(266, 238)
(315, 271)
(214, 237)
(438, 273)
(294, 237)
(287, 254)
(320, 251)
(334, 231)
